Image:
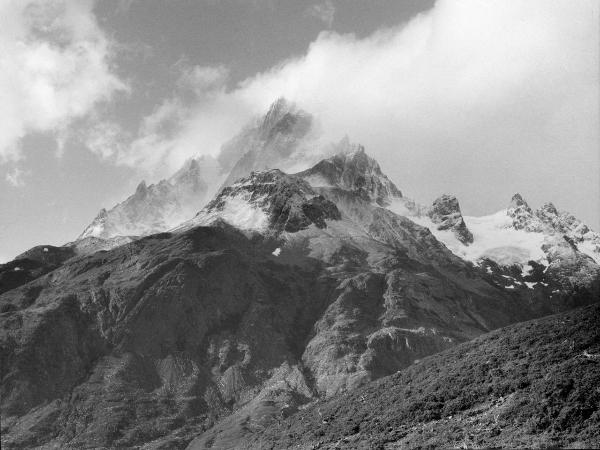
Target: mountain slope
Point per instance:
(164, 334)
(529, 385)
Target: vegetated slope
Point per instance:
(533, 384)
(32, 264)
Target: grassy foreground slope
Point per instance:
(533, 384)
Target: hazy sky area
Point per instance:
(478, 98)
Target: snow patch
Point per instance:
(398, 206)
(591, 249)
(493, 238)
(238, 212)
(530, 284)
(45, 249)
(317, 181)
(276, 252)
(526, 269)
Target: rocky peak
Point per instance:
(141, 190)
(547, 213)
(353, 170)
(445, 213)
(522, 215)
(281, 117)
(272, 142)
(269, 201)
(517, 201)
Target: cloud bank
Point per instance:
(55, 68)
(470, 95)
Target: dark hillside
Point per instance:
(534, 384)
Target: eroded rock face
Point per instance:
(445, 212)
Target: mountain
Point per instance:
(283, 291)
(352, 170)
(529, 385)
(158, 207)
(279, 140)
(530, 248)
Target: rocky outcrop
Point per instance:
(445, 213)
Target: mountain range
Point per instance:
(270, 284)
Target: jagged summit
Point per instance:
(141, 189)
(281, 118)
(157, 207)
(353, 170)
(522, 215)
(517, 201)
(275, 142)
(446, 214)
(268, 201)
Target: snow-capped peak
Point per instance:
(157, 207)
(268, 201)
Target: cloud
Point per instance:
(325, 12)
(55, 68)
(479, 98)
(196, 121)
(105, 139)
(15, 177)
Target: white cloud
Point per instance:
(478, 97)
(15, 177)
(325, 12)
(55, 68)
(105, 139)
(201, 79)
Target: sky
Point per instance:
(477, 98)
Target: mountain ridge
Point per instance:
(282, 291)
